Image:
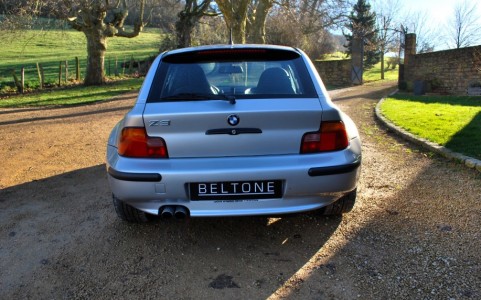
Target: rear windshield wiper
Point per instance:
(196, 96)
(229, 98)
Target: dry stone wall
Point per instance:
(335, 72)
(456, 71)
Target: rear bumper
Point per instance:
(156, 177)
(309, 181)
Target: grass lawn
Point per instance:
(454, 122)
(374, 74)
(50, 47)
(74, 95)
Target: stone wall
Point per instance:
(450, 71)
(335, 72)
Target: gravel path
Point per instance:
(413, 234)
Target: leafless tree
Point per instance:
(426, 33)
(190, 15)
(100, 20)
(305, 24)
(388, 31)
(464, 28)
(258, 11)
(235, 17)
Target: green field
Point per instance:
(50, 47)
(454, 122)
(374, 74)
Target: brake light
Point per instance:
(134, 142)
(332, 136)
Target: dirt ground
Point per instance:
(414, 232)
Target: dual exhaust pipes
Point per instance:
(171, 211)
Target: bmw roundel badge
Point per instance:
(233, 120)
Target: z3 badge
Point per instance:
(153, 123)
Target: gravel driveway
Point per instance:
(413, 234)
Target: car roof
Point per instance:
(234, 46)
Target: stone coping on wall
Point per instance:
(468, 161)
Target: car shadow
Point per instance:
(71, 115)
(419, 238)
(367, 93)
(61, 235)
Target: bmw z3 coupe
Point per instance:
(233, 130)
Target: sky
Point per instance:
(437, 10)
(438, 13)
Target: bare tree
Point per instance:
(388, 33)
(100, 20)
(191, 14)
(235, 17)
(305, 24)
(258, 11)
(246, 19)
(464, 27)
(426, 33)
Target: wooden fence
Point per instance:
(66, 72)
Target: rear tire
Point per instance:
(129, 213)
(342, 205)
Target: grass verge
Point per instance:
(75, 95)
(454, 122)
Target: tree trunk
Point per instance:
(96, 47)
(382, 64)
(99, 20)
(238, 27)
(258, 26)
(235, 17)
(184, 27)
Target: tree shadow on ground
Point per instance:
(61, 238)
(368, 93)
(464, 140)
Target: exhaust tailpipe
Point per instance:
(180, 212)
(167, 212)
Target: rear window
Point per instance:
(239, 73)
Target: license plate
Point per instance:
(236, 190)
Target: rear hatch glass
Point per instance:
(242, 73)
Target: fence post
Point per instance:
(22, 78)
(17, 82)
(131, 64)
(116, 69)
(66, 71)
(40, 75)
(77, 67)
(60, 74)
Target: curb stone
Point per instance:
(465, 160)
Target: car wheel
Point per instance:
(129, 213)
(343, 205)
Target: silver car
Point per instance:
(232, 130)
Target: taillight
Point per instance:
(134, 142)
(332, 136)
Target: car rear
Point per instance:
(232, 131)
